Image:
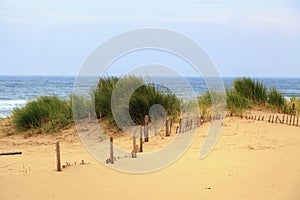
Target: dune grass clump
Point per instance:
(252, 90)
(275, 98)
(141, 99)
(236, 103)
(82, 106)
(47, 113)
(146, 96)
(247, 93)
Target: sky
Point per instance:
(243, 38)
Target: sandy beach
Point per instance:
(252, 160)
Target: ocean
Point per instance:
(15, 91)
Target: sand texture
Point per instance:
(252, 160)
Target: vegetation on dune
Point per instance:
(47, 113)
(141, 99)
(251, 90)
(50, 114)
(247, 93)
(237, 103)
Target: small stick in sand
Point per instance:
(10, 153)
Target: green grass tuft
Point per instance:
(47, 112)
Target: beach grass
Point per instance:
(141, 98)
(50, 114)
(47, 113)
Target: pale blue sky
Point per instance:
(243, 38)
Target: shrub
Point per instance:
(82, 106)
(275, 98)
(252, 90)
(47, 112)
(141, 99)
(236, 103)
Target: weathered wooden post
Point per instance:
(171, 123)
(58, 165)
(180, 125)
(272, 118)
(290, 120)
(141, 139)
(146, 128)
(269, 119)
(279, 120)
(294, 120)
(297, 120)
(263, 117)
(167, 127)
(177, 129)
(111, 141)
(287, 119)
(282, 119)
(134, 150)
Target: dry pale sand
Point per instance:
(252, 160)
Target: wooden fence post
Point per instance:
(171, 123)
(180, 125)
(111, 141)
(297, 120)
(58, 165)
(146, 128)
(282, 119)
(141, 139)
(167, 127)
(134, 151)
(290, 120)
(294, 120)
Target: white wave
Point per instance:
(7, 106)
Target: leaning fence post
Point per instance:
(58, 165)
(146, 128)
(111, 150)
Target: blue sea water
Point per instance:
(15, 91)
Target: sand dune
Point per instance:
(252, 160)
